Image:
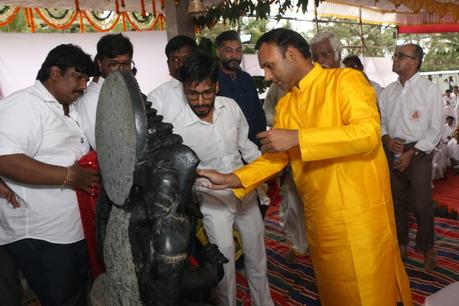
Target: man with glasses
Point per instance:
(326, 50)
(168, 99)
(411, 125)
(216, 129)
(328, 132)
(114, 52)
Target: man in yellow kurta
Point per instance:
(327, 128)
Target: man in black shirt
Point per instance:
(237, 84)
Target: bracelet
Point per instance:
(67, 179)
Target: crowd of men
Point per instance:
(358, 160)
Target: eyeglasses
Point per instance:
(114, 65)
(193, 95)
(400, 55)
(315, 57)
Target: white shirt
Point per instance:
(86, 106)
(219, 145)
(377, 87)
(449, 130)
(33, 123)
(413, 112)
(451, 100)
(168, 99)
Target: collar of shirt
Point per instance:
(100, 81)
(411, 81)
(176, 83)
(307, 79)
(191, 118)
(228, 76)
(46, 96)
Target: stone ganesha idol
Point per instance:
(143, 212)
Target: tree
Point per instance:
(442, 50)
(378, 40)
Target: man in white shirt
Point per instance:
(216, 129)
(411, 126)
(453, 149)
(40, 142)
(114, 52)
(449, 104)
(168, 99)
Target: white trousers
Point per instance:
(218, 222)
(292, 215)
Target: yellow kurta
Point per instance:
(341, 174)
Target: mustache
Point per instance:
(204, 106)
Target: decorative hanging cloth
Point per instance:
(87, 203)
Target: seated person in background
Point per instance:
(453, 150)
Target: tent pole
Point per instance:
(362, 43)
(316, 19)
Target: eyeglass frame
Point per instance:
(118, 65)
(401, 55)
(207, 94)
(327, 54)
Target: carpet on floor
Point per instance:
(294, 284)
(446, 190)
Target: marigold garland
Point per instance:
(56, 23)
(66, 18)
(7, 15)
(29, 19)
(97, 25)
(138, 25)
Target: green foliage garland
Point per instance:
(231, 11)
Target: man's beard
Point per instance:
(203, 110)
(232, 64)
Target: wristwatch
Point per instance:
(416, 151)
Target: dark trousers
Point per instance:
(10, 286)
(57, 273)
(412, 192)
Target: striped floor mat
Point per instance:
(294, 284)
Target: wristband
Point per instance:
(67, 179)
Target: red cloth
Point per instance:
(87, 203)
(429, 28)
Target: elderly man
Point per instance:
(326, 50)
(411, 126)
(329, 133)
(40, 140)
